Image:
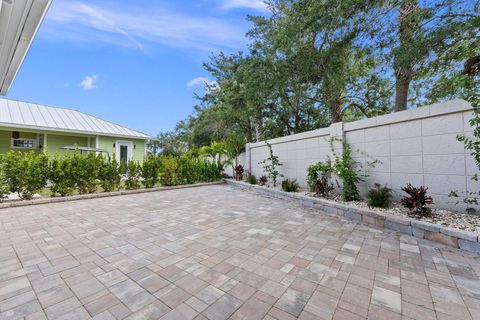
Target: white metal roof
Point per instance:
(26, 115)
(19, 22)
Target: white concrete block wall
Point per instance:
(417, 146)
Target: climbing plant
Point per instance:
(270, 165)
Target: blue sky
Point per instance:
(136, 63)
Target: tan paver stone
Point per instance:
(217, 253)
(223, 308)
(253, 309)
(292, 301)
(387, 299)
(322, 305)
(242, 291)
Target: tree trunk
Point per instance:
(258, 130)
(404, 63)
(402, 85)
(336, 110)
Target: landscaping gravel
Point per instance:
(459, 220)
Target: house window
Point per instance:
(23, 143)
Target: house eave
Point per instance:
(66, 131)
(19, 23)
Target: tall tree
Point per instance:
(405, 57)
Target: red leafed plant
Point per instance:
(239, 170)
(417, 200)
(262, 180)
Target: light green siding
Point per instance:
(6, 140)
(55, 142)
(107, 143)
(5, 137)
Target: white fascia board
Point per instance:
(23, 26)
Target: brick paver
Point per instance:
(219, 253)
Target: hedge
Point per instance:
(27, 173)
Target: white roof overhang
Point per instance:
(19, 22)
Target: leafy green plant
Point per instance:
(290, 185)
(86, 168)
(262, 180)
(379, 196)
(270, 165)
(133, 175)
(316, 170)
(4, 190)
(234, 146)
(344, 168)
(417, 200)
(25, 173)
(62, 176)
(150, 171)
(252, 179)
(168, 170)
(110, 175)
(216, 152)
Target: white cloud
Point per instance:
(199, 81)
(206, 83)
(89, 82)
(248, 4)
(139, 26)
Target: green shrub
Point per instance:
(25, 173)
(86, 168)
(168, 170)
(134, 174)
(318, 178)
(189, 170)
(62, 176)
(316, 171)
(290, 185)
(110, 175)
(150, 172)
(209, 171)
(252, 179)
(4, 190)
(379, 196)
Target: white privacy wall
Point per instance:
(416, 146)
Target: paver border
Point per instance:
(45, 200)
(465, 240)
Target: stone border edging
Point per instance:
(465, 240)
(45, 200)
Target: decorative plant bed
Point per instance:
(390, 218)
(44, 200)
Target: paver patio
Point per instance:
(217, 253)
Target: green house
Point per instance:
(28, 126)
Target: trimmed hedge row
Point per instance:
(27, 173)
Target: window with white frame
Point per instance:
(23, 143)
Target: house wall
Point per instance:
(417, 146)
(6, 138)
(56, 141)
(107, 144)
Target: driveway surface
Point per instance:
(219, 253)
